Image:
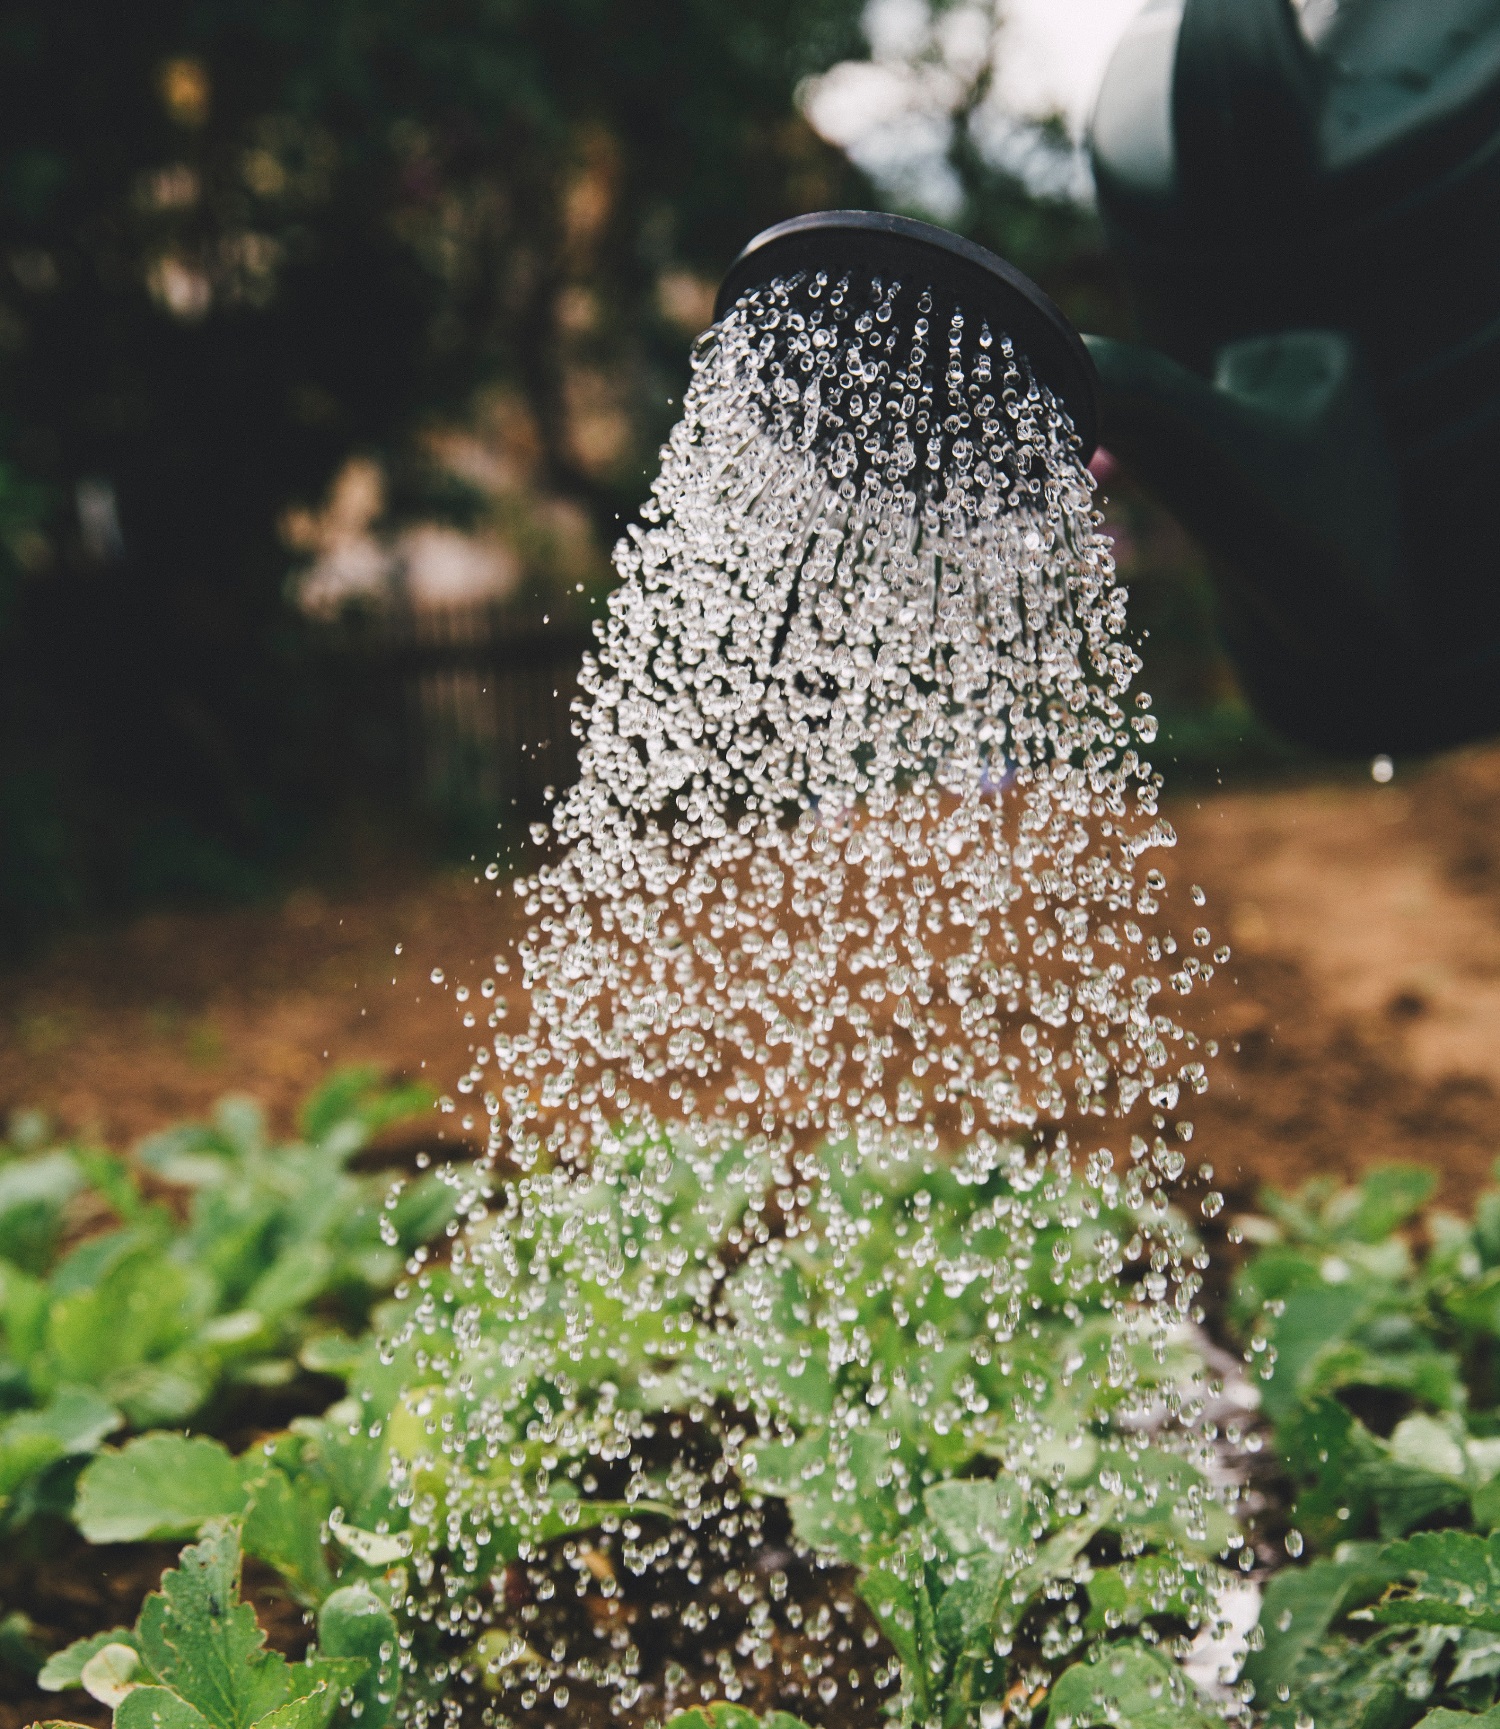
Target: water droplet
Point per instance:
(1382, 770)
(1294, 1542)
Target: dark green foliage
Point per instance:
(160, 1319)
(1381, 1379)
(246, 240)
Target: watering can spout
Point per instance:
(1278, 465)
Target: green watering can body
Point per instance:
(1307, 209)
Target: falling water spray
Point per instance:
(830, 1171)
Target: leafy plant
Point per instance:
(480, 1431)
(149, 1321)
(886, 1395)
(196, 1658)
(1380, 1366)
(1379, 1350)
(909, 1365)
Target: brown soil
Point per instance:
(1363, 994)
(115, 1034)
(1361, 1011)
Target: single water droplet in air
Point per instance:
(1294, 1542)
(1382, 770)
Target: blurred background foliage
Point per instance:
(277, 278)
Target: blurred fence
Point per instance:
(485, 700)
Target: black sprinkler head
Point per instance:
(956, 272)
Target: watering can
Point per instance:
(1306, 206)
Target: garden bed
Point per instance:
(1383, 1322)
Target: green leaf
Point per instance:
(1387, 1197)
(1485, 1505)
(284, 1527)
(206, 1646)
(158, 1486)
(188, 1155)
(325, 1682)
(165, 1393)
(1326, 1443)
(1131, 1685)
(74, 1421)
(832, 1519)
(1300, 1605)
(1125, 1596)
(354, 1105)
(1373, 1684)
(197, 1658)
(19, 1651)
(1449, 1579)
(143, 1308)
(1443, 1718)
(355, 1623)
(292, 1281)
(241, 1121)
(23, 1315)
(732, 1717)
(1316, 1318)
(158, 1708)
(1429, 1444)
(1405, 1496)
(111, 1672)
(64, 1669)
(115, 1180)
(987, 1516)
(33, 1193)
(968, 1608)
(331, 1353)
(904, 1613)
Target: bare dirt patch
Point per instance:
(1363, 995)
(1361, 1010)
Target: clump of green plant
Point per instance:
(153, 1319)
(1378, 1330)
(669, 1363)
(197, 1659)
(942, 1389)
(917, 1365)
(1006, 1494)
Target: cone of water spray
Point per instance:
(825, 1241)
